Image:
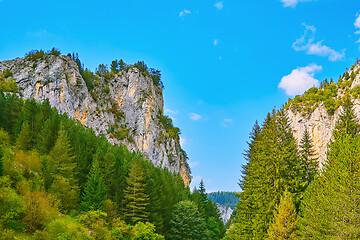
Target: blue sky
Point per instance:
(224, 63)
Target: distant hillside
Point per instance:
(225, 199)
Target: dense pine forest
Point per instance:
(287, 195)
(58, 180)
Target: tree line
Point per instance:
(286, 196)
(58, 180)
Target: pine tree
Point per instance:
(330, 207)
(47, 136)
(135, 197)
(272, 168)
(95, 191)
(61, 156)
(284, 224)
(347, 120)
(308, 162)
(24, 140)
(187, 223)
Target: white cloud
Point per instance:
(219, 5)
(216, 42)
(293, 3)
(300, 79)
(357, 26)
(170, 111)
(183, 13)
(194, 116)
(357, 21)
(307, 43)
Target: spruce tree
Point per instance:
(347, 120)
(135, 197)
(24, 140)
(272, 168)
(330, 208)
(95, 191)
(308, 162)
(284, 224)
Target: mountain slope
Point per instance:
(126, 106)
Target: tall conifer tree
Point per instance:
(330, 208)
(273, 167)
(135, 197)
(308, 162)
(95, 190)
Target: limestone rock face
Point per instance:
(319, 123)
(127, 112)
(225, 213)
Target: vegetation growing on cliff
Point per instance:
(304, 204)
(59, 181)
(329, 93)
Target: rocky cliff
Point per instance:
(225, 212)
(318, 109)
(125, 106)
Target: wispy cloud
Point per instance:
(216, 42)
(293, 3)
(226, 122)
(183, 13)
(307, 43)
(167, 110)
(194, 116)
(357, 26)
(300, 79)
(219, 5)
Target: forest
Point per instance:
(286, 195)
(58, 180)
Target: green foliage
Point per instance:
(11, 207)
(284, 224)
(135, 197)
(34, 55)
(187, 223)
(107, 90)
(308, 163)
(327, 93)
(225, 199)
(272, 168)
(347, 120)
(122, 133)
(52, 171)
(145, 231)
(8, 84)
(171, 131)
(95, 192)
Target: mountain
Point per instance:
(125, 104)
(226, 202)
(318, 109)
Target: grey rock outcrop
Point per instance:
(225, 213)
(129, 106)
(319, 123)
